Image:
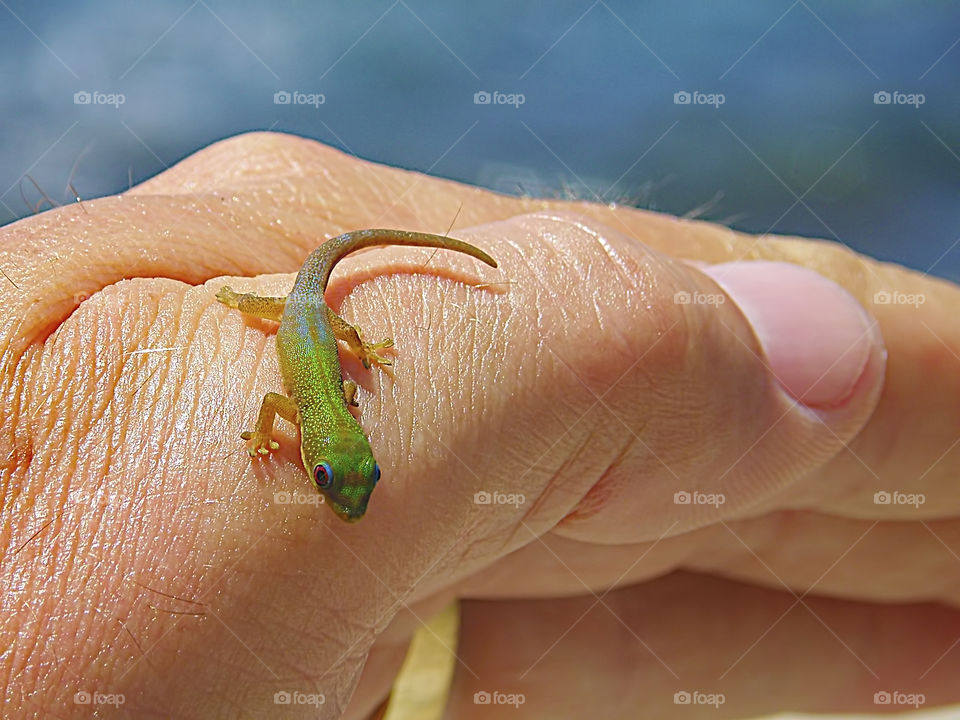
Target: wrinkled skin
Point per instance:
(145, 553)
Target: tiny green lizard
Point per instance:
(335, 452)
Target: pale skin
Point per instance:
(145, 554)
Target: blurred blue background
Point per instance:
(786, 135)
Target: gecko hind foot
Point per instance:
(367, 351)
(228, 296)
(370, 354)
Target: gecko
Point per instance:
(335, 452)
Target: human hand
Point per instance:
(146, 555)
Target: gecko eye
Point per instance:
(376, 473)
(323, 475)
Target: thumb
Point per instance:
(689, 395)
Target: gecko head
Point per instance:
(345, 473)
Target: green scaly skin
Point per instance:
(335, 452)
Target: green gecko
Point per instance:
(335, 452)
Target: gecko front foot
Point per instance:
(262, 443)
(350, 393)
